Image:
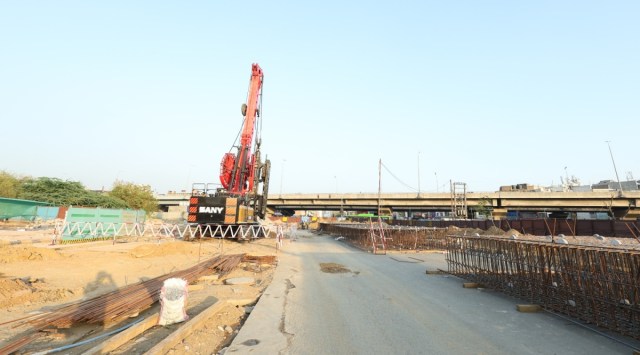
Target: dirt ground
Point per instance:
(36, 276)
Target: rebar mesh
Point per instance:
(396, 237)
(598, 285)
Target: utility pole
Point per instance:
(614, 167)
(418, 174)
(379, 183)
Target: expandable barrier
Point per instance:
(396, 237)
(86, 231)
(598, 285)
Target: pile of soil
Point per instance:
(10, 254)
(494, 231)
(511, 232)
(14, 292)
(452, 229)
(473, 231)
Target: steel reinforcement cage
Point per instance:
(600, 286)
(548, 226)
(396, 237)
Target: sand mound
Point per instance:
(511, 232)
(10, 254)
(494, 231)
(15, 292)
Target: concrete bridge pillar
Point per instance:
(499, 213)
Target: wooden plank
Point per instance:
(123, 337)
(242, 301)
(472, 285)
(528, 308)
(174, 338)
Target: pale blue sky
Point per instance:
(489, 92)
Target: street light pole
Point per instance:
(614, 166)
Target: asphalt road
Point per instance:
(386, 304)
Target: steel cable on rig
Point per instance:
(259, 114)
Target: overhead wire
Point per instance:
(398, 179)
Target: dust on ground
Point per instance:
(333, 268)
(36, 277)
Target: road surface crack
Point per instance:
(287, 335)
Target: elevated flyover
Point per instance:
(621, 205)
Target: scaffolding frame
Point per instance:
(458, 200)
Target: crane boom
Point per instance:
(243, 181)
(237, 171)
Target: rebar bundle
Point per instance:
(131, 299)
(600, 286)
(396, 238)
(121, 303)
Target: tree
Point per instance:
(484, 207)
(66, 193)
(136, 196)
(9, 185)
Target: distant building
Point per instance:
(521, 187)
(581, 188)
(630, 185)
(573, 185)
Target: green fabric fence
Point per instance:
(11, 208)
